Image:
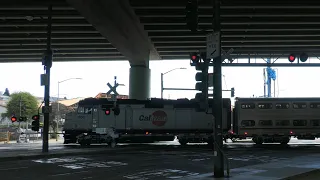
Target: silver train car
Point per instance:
(276, 120)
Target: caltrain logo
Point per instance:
(158, 118)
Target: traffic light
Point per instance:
(35, 125)
(201, 78)
(292, 57)
(303, 57)
(22, 119)
(232, 92)
(192, 15)
(13, 119)
(195, 59)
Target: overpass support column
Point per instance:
(139, 82)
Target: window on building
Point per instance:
(299, 122)
(248, 123)
(282, 106)
(265, 123)
(247, 105)
(282, 123)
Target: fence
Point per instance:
(5, 136)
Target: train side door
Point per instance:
(129, 117)
(95, 119)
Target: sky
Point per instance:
(247, 81)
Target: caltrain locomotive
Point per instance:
(265, 120)
(127, 120)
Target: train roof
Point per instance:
(280, 99)
(100, 101)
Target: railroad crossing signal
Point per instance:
(302, 58)
(13, 119)
(35, 125)
(113, 89)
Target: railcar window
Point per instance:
(87, 110)
(282, 122)
(80, 110)
(315, 122)
(315, 105)
(299, 105)
(282, 106)
(248, 123)
(265, 106)
(265, 123)
(248, 106)
(299, 122)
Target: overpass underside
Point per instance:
(139, 31)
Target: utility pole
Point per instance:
(47, 62)
(217, 95)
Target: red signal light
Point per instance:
(292, 58)
(35, 117)
(194, 58)
(13, 119)
(107, 112)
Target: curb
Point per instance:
(302, 175)
(57, 154)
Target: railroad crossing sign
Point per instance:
(113, 89)
(213, 40)
(226, 55)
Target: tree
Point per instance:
(29, 105)
(6, 92)
(63, 110)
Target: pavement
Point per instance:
(165, 160)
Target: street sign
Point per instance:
(113, 89)
(46, 109)
(213, 40)
(210, 80)
(44, 79)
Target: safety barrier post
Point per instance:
(226, 159)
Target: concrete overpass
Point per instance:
(139, 31)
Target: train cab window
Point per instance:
(80, 110)
(87, 110)
(265, 105)
(315, 105)
(299, 105)
(282, 123)
(247, 123)
(299, 122)
(248, 106)
(315, 122)
(265, 123)
(282, 106)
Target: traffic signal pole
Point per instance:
(47, 62)
(217, 95)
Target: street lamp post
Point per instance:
(58, 105)
(162, 74)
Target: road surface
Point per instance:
(147, 162)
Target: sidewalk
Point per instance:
(281, 170)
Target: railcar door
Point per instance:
(95, 119)
(129, 117)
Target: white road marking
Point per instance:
(13, 168)
(64, 174)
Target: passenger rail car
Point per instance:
(276, 119)
(127, 120)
